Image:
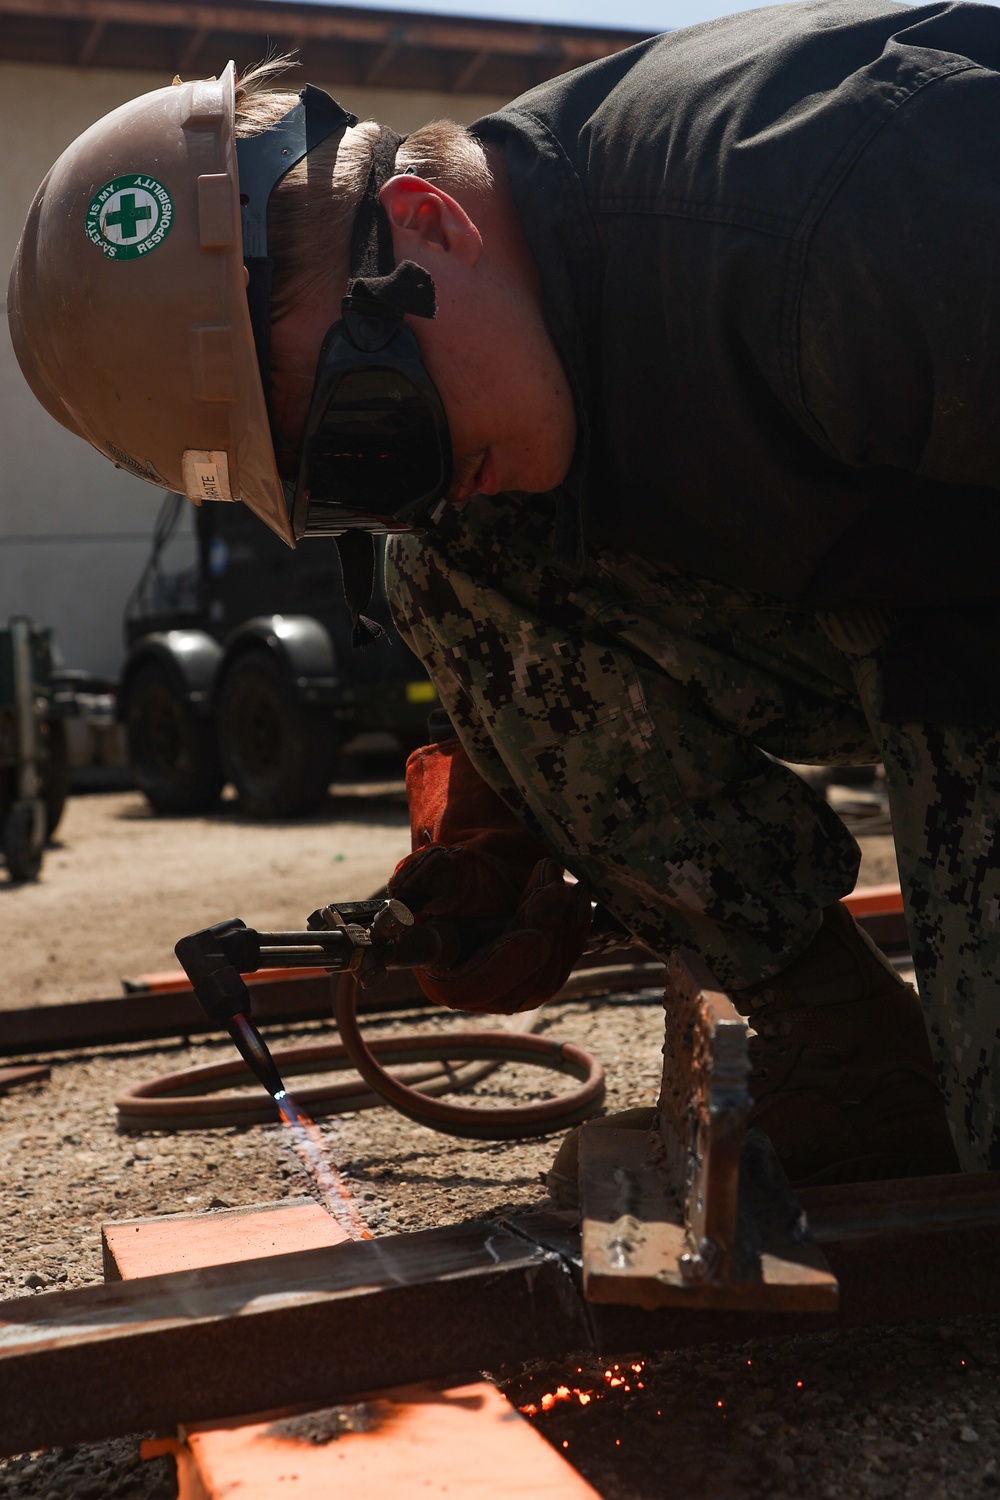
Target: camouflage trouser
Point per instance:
(634, 717)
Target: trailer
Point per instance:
(240, 669)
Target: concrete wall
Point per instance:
(74, 531)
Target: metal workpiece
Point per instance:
(307, 1328)
(704, 1106)
(147, 1015)
(697, 1212)
(320, 1326)
(903, 1250)
(284, 1000)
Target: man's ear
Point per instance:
(426, 216)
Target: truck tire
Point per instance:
(278, 753)
(171, 749)
(22, 847)
(55, 776)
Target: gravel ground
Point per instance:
(911, 1412)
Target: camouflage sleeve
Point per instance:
(642, 764)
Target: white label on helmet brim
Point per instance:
(206, 474)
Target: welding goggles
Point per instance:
(375, 454)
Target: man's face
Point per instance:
(488, 351)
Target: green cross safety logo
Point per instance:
(129, 217)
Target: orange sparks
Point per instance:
(561, 1393)
(547, 1401)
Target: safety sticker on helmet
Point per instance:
(129, 217)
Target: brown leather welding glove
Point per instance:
(530, 960)
(472, 860)
(471, 857)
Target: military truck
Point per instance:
(240, 669)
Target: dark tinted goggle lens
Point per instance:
(377, 448)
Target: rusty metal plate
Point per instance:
(633, 1241)
(697, 1213)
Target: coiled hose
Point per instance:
(430, 1065)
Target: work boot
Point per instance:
(842, 1080)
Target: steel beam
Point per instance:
(300, 1329)
(323, 1325)
(154, 1014)
(151, 1015)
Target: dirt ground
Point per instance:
(885, 1413)
(120, 885)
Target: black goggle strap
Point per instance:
(371, 236)
(381, 288)
(262, 161)
(377, 284)
(357, 565)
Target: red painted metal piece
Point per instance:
(182, 1242)
(425, 1439)
(874, 898)
(465, 1441)
(169, 981)
(879, 910)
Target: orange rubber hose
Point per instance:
(182, 1100)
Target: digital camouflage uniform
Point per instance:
(635, 715)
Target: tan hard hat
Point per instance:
(127, 303)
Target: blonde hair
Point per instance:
(312, 209)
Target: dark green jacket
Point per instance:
(770, 251)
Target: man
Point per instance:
(684, 366)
